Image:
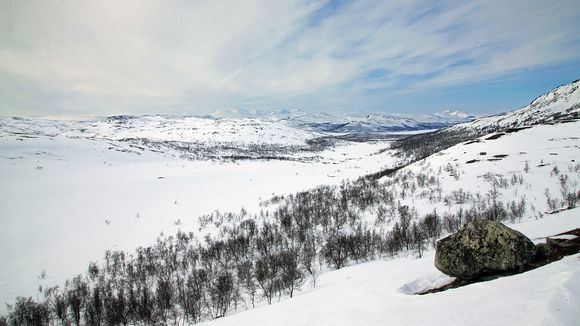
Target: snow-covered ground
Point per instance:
(376, 293)
(563, 100)
(69, 199)
(65, 200)
(165, 128)
(530, 156)
(531, 162)
(71, 190)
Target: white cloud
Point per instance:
(156, 55)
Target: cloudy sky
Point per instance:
(103, 57)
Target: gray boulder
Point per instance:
(483, 247)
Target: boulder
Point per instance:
(481, 248)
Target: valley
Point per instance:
(272, 210)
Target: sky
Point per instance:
(106, 57)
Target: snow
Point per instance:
(456, 115)
(565, 98)
(541, 147)
(73, 189)
(377, 293)
(165, 128)
(564, 237)
(425, 283)
(67, 198)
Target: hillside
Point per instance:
(78, 193)
(72, 190)
(535, 167)
(381, 293)
(560, 105)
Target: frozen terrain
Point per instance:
(528, 163)
(73, 189)
(537, 165)
(376, 293)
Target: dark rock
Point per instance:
(481, 248)
(564, 247)
(543, 251)
(555, 248)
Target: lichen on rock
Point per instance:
(483, 247)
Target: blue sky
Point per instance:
(194, 57)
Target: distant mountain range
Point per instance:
(561, 105)
(233, 126)
(352, 122)
(294, 127)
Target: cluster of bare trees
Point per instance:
(249, 259)
(231, 151)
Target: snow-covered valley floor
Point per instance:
(376, 293)
(65, 201)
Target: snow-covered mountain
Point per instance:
(456, 115)
(245, 135)
(283, 128)
(362, 122)
(73, 189)
(559, 105)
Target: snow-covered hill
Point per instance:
(535, 166)
(164, 128)
(560, 104)
(283, 128)
(379, 293)
(72, 190)
(372, 122)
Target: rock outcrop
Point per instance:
(483, 247)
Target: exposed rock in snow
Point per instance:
(483, 247)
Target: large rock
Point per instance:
(483, 247)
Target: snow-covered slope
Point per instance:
(72, 190)
(533, 164)
(560, 104)
(374, 293)
(537, 166)
(68, 195)
(530, 155)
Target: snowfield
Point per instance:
(67, 198)
(374, 293)
(472, 166)
(73, 189)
